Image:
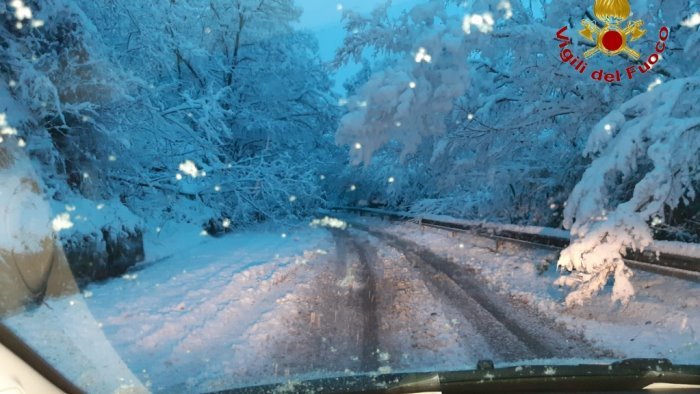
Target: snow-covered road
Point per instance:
(265, 307)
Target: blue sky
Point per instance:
(324, 19)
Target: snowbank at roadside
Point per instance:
(667, 247)
(206, 310)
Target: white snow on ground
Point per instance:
(215, 313)
(208, 308)
(420, 332)
(661, 321)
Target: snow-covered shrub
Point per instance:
(653, 142)
(100, 238)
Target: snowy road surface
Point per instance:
(259, 307)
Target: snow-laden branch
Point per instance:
(652, 142)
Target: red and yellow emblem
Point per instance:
(611, 39)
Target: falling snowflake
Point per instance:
(189, 168)
(483, 22)
(507, 8)
(5, 129)
(22, 12)
(61, 222)
(423, 56)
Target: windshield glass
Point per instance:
(200, 195)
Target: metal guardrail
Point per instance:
(651, 260)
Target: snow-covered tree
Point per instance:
(476, 92)
(229, 86)
(459, 99)
(215, 113)
(646, 163)
(242, 96)
(646, 159)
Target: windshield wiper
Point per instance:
(629, 374)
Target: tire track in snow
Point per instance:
(333, 326)
(514, 333)
(417, 331)
(504, 340)
(370, 344)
